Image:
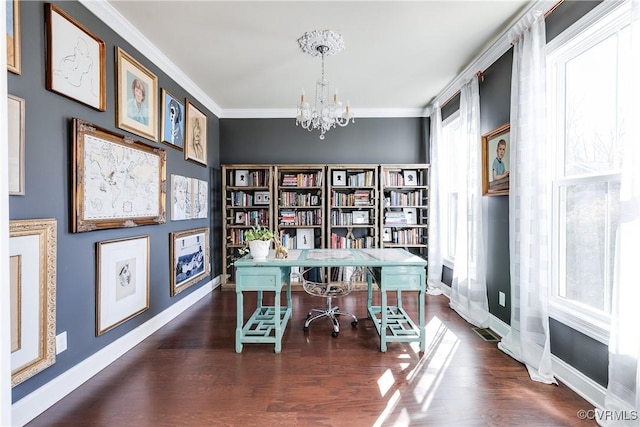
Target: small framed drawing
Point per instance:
(195, 147)
(117, 182)
(32, 296)
(495, 161)
(360, 217)
(172, 121)
(411, 215)
(76, 60)
(241, 218)
(189, 261)
(16, 130)
(339, 178)
(304, 238)
(261, 198)
(410, 177)
(386, 234)
(14, 49)
(136, 97)
(122, 281)
(241, 178)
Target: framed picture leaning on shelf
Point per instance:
(76, 60)
(241, 178)
(410, 177)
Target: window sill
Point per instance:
(581, 320)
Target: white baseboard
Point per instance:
(38, 401)
(498, 326)
(584, 386)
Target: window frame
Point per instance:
(448, 259)
(603, 21)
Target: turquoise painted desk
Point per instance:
(390, 269)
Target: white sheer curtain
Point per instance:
(434, 268)
(623, 392)
(529, 202)
(469, 286)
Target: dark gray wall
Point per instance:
(399, 140)
(48, 192)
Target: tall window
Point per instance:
(587, 80)
(450, 141)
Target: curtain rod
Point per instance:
(480, 73)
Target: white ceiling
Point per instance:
(244, 55)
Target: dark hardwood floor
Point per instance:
(188, 374)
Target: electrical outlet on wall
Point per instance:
(501, 299)
(61, 342)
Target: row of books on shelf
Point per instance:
(360, 179)
(241, 198)
(236, 235)
(349, 218)
(342, 242)
(401, 178)
(410, 236)
(357, 198)
(302, 179)
(407, 216)
(253, 217)
(254, 178)
(310, 217)
(290, 198)
(304, 238)
(398, 198)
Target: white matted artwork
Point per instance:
(261, 198)
(411, 215)
(32, 264)
(122, 281)
(76, 60)
(190, 198)
(305, 238)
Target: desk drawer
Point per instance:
(260, 278)
(402, 278)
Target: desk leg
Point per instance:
(369, 292)
(421, 310)
(239, 316)
(383, 323)
(276, 307)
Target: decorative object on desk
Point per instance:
(76, 60)
(281, 251)
(122, 281)
(324, 114)
(14, 63)
(495, 161)
(261, 198)
(32, 295)
(339, 178)
(16, 128)
(118, 182)
(196, 136)
(241, 178)
(189, 258)
(410, 177)
(136, 97)
(258, 241)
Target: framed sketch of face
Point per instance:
(195, 147)
(173, 115)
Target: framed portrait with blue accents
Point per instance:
(172, 120)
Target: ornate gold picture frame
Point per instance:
(33, 256)
(495, 161)
(189, 261)
(117, 182)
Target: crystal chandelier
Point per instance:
(325, 113)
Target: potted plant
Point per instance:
(258, 240)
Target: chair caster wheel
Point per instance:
(335, 334)
(354, 323)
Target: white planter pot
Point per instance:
(259, 248)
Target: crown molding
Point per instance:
(118, 23)
(290, 113)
